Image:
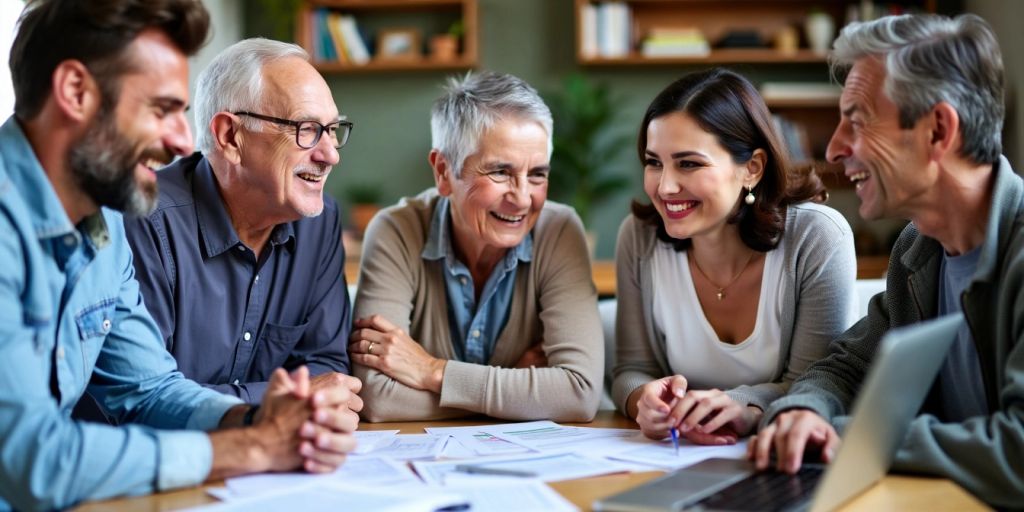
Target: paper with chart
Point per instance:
(356, 470)
(411, 446)
(326, 495)
(509, 495)
(548, 436)
(661, 454)
(368, 440)
(480, 442)
(549, 467)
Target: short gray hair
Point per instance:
(234, 82)
(930, 59)
(473, 104)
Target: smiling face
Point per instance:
(690, 178)
(888, 165)
(488, 216)
(114, 162)
(284, 181)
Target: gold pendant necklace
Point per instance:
(720, 290)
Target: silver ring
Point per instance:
(369, 349)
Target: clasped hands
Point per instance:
(708, 417)
(306, 422)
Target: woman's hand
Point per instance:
(377, 343)
(654, 402)
(712, 417)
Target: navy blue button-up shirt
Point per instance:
(228, 318)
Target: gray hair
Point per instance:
(234, 82)
(472, 105)
(930, 59)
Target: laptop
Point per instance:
(905, 365)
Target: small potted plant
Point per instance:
(445, 47)
(364, 200)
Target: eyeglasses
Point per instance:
(535, 178)
(308, 133)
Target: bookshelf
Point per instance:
(637, 33)
(384, 26)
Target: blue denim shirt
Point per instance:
(474, 327)
(72, 320)
(229, 319)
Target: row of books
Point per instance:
(335, 37)
(606, 30)
(794, 136)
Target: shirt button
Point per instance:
(247, 336)
(69, 240)
(106, 324)
(241, 248)
(257, 279)
(236, 382)
(60, 352)
(463, 280)
(476, 333)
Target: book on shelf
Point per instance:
(675, 42)
(816, 91)
(606, 30)
(335, 37)
(794, 136)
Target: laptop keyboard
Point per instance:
(768, 490)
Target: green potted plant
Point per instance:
(445, 46)
(364, 200)
(586, 140)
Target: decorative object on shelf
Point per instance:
(787, 40)
(587, 139)
(445, 47)
(398, 44)
(820, 31)
(675, 42)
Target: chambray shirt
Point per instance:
(474, 327)
(226, 317)
(72, 320)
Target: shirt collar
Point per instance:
(48, 217)
(215, 226)
(439, 240)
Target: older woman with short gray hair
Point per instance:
(476, 296)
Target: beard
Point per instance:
(103, 165)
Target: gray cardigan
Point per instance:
(819, 270)
(985, 454)
(553, 301)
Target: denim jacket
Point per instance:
(71, 321)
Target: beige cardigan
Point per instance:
(554, 299)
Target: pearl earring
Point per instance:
(750, 196)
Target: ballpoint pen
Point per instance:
(483, 470)
(675, 439)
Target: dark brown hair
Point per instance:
(726, 105)
(96, 33)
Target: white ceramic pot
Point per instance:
(820, 31)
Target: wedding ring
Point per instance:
(369, 349)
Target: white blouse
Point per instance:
(693, 349)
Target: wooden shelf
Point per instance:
(380, 66)
(405, 13)
(719, 56)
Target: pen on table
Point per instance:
(675, 439)
(482, 470)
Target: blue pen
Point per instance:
(675, 439)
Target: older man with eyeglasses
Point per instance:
(476, 296)
(241, 262)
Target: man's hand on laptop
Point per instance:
(791, 435)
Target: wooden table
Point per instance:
(892, 493)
